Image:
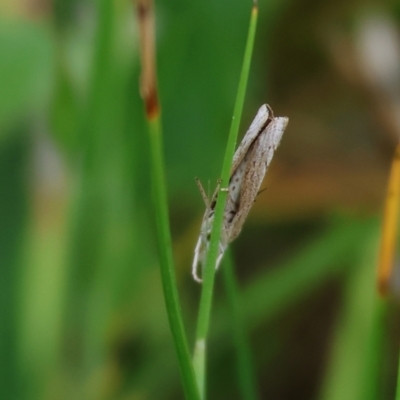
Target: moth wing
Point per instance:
(257, 164)
(259, 121)
(274, 133)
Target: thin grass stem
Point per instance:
(171, 296)
(145, 14)
(244, 358)
(398, 382)
(199, 358)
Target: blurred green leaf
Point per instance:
(326, 256)
(13, 210)
(347, 376)
(26, 64)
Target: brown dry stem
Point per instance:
(148, 81)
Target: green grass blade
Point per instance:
(342, 242)
(245, 364)
(209, 270)
(271, 292)
(351, 353)
(372, 373)
(166, 262)
(398, 383)
(14, 383)
(149, 92)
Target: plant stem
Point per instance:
(245, 365)
(353, 358)
(146, 20)
(171, 296)
(199, 357)
(398, 382)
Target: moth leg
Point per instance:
(214, 196)
(220, 255)
(203, 193)
(219, 260)
(196, 261)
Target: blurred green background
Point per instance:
(82, 313)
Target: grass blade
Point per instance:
(245, 364)
(272, 292)
(145, 14)
(389, 225)
(203, 320)
(351, 352)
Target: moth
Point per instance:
(250, 163)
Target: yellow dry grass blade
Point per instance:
(389, 226)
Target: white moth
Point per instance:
(250, 163)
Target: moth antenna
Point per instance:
(262, 190)
(259, 192)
